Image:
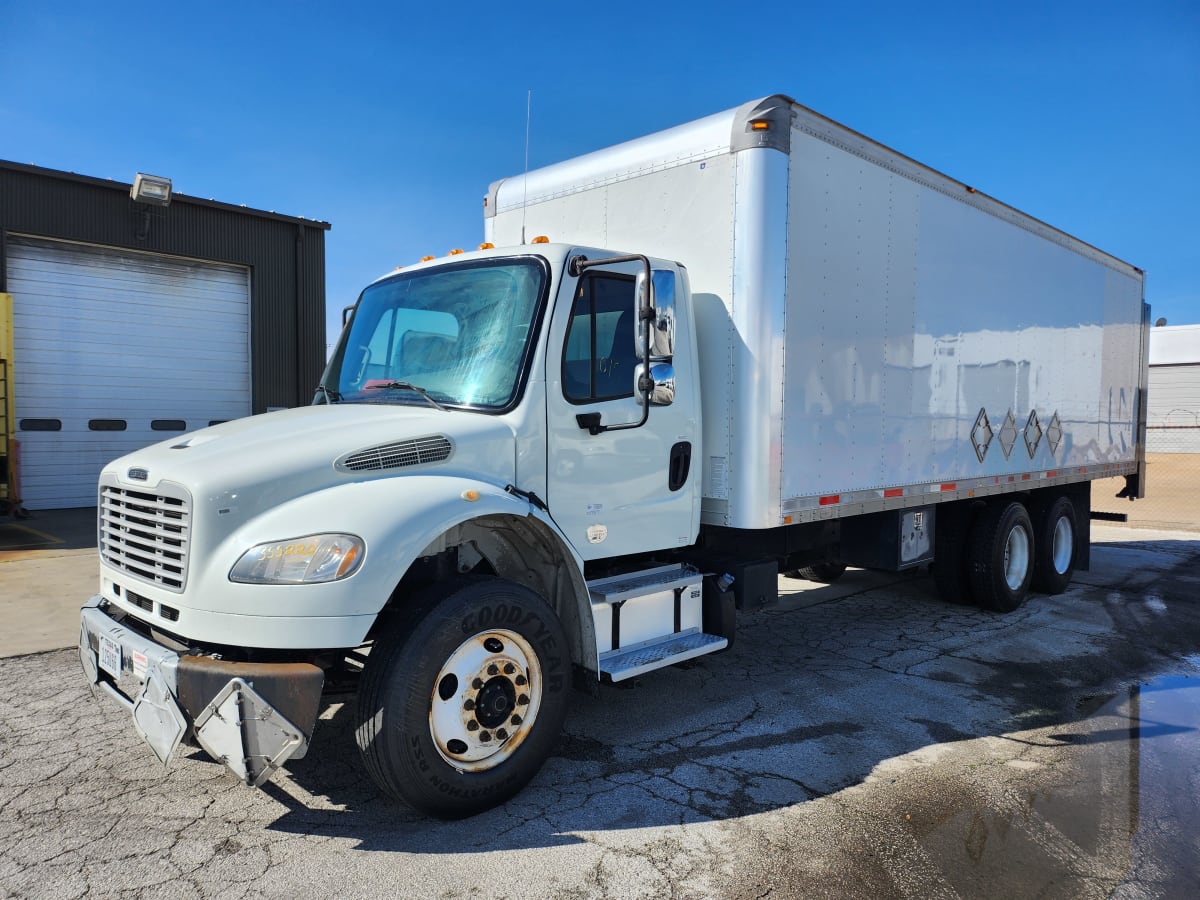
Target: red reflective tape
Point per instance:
(1083, 471)
(1052, 473)
(1026, 477)
(830, 500)
(950, 487)
(894, 492)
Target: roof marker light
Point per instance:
(426, 258)
(487, 245)
(455, 251)
(540, 239)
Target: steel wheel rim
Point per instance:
(485, 700)
(1016, 558)
(1063, 545)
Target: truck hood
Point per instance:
(248, 465)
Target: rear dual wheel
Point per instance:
(1000, 554)
(822, 573)
(1054, 559)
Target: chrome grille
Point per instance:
(398, 455)
(146, 535)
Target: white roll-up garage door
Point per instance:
(1173, 418)
(115, 350)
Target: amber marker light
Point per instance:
(760, 125)
(540, 239)
(455, 252)
(470, 495)
(426, 258)
(487, 245)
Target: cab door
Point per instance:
(620, 491)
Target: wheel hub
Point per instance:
(495, 702)
(485, 700)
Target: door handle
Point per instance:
(680, 465)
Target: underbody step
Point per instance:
(621, 664)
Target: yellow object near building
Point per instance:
(10, 501)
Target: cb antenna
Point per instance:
(525, 197)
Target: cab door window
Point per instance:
(599, 357)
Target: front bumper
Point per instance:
(253, 717)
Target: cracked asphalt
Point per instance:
(862, 739)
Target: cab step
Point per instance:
(621, 664)
(649, 619)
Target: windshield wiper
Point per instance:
(408, 386)
(331, 396)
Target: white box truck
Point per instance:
(758, 343)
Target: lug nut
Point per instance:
(523, 700)
(485, 736)
(469, 705)
(521, 680)
(501, 734)
(477, 684)
(509, 668)
(472, 726)
(493, 669)
(515, 720)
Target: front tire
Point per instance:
(1000, 557)
(463, 697)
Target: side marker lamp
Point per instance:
(760, 125)
(313, 559)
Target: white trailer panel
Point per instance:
(871, 332)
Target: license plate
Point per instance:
(110, 656)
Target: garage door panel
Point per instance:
(119, 335)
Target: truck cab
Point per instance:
(505, 436)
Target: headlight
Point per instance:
(304, 560)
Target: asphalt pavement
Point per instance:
(861, 739)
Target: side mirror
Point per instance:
(663, 376)
(662, 326)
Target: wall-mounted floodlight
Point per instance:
(150, 189)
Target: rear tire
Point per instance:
(1054, 560)
(823, 573)
(1000, 557)
(463, 697)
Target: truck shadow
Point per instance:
(814, 696)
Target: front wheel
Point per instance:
(463, 697)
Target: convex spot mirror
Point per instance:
(662, 332)
(663, 392)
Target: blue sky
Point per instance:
(390, 121)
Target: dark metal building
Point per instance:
(132, 320)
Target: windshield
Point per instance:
(452, 336)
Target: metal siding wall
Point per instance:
(287, 345)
